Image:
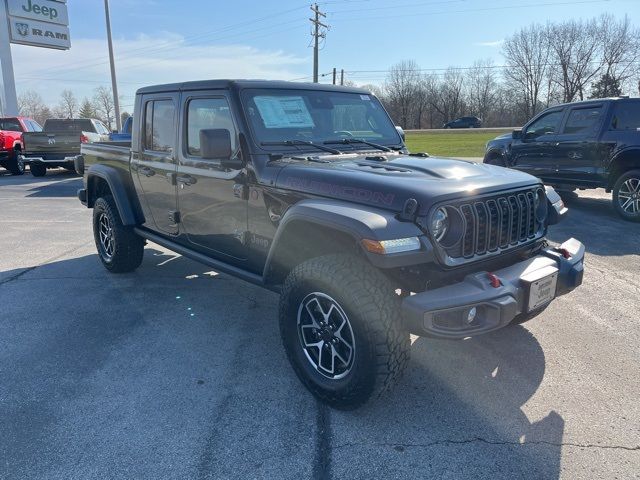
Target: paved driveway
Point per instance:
(175, 371)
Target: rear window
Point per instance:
(583, 120)
(68, 125)
(159, 126)
(10, 125)
(626, 116)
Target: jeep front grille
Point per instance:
(494, 223)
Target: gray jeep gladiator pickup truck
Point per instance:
(309, 190)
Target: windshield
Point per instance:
(317, 116)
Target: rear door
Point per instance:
(155, 161)
(213, 207)
(534, 152)
(576, 150)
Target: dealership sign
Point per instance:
(41, 23)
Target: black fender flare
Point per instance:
(118, 190)
(629, 154)
(358, 222)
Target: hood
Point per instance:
(388, 184)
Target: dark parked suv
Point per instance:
(464, 122)
(590, 144)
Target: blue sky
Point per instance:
(159, 41)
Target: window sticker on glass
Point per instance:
(365, 97)
(284, 112)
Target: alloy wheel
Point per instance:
(107, 240)
(326, 335)
(629, 196)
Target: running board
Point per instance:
(200, 258)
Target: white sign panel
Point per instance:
(40, 10)
(39, 34)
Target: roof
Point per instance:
(594, 100)
(242, 84)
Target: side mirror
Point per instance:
(516, 134)
(401, 132)
(215, 144)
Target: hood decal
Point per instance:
(340, 191)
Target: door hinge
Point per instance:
(174, 217)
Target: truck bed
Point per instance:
(117, 153)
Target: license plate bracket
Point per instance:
(540, 287)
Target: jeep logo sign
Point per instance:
(40, 10)
(39, 34)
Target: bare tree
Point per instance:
(103, 100)
(68, 105)
(527, 55)
(448, 98)
(400, 87)
(30, 104)
(620, 49)
(481, 85)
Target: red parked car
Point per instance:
(11, 130)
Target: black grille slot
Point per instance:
(496, 222)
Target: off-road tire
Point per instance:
(15, 165)
(373, 310)
(620, 187)
(38, 170)
(128, 247)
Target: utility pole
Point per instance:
(114, 84)
(334, 75)
(342, 76)
(317, 34)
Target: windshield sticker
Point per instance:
(365, 97)
(284, 112)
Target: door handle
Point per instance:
(146, 171)
(186, 179)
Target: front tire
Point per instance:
(626, 195)
(119, 248)
(341, 329)
(38, 170)
(496, 159)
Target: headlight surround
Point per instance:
(439, 224)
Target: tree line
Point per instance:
(100, 106)
(543, 65)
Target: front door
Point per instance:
(533, 153)
(155, 162)
(577, 150)
(212, 199)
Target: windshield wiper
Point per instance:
(347, 141)
(293, 143)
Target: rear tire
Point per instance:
(626, 196)
(119, 248)
(15, 164)
(341, 329)
(38, 170)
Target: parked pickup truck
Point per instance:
(58, 145)
(308, 190)
(11, 130)
(590, 144)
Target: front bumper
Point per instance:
(444, 312)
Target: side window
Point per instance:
(205, 113)
(582, 120)
(35, 126)
(547, 123)
(626, 116)
(164, 133)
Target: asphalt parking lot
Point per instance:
(175, 371)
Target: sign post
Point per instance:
(39, 23)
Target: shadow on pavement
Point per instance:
(174, 361)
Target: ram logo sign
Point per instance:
(40, 34)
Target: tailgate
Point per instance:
(51, 143)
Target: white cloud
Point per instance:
(495, 43)
(145, 60)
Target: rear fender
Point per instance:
(128, 208)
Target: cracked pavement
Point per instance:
(175, 371)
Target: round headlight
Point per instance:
(540, 204)
(439, 223)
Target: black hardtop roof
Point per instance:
(241, 84)
(595, 100)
